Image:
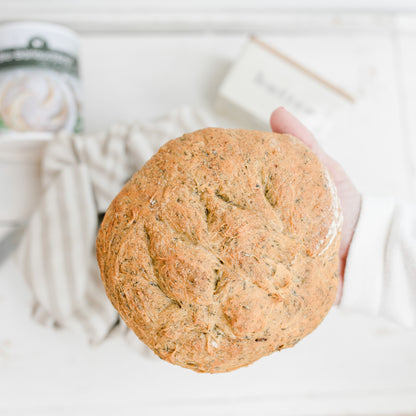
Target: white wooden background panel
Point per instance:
(351, 364)
(225, 15)
(294, 16)
(367, 141)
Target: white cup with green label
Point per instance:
(40, 91)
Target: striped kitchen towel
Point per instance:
(81, 174)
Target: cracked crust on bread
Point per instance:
(223, 248)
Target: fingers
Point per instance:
(282, 121)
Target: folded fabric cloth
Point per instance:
(81, 174)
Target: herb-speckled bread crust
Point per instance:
(223, 248)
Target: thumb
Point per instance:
(281, 121)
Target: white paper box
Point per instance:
(263, 79)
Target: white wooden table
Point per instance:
(351, 365)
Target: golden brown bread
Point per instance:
(223, 248)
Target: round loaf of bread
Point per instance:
(223, 248)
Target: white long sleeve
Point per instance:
(380, 274)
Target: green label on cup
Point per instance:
(38, 54)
